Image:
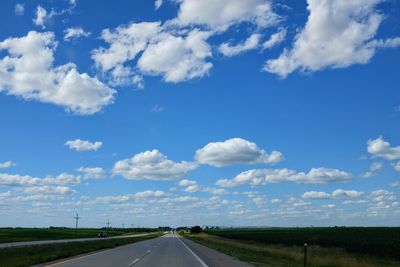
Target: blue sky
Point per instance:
(183, 112)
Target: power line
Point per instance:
(76, 223)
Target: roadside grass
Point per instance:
(29, 234)
(27, 256)
(261, 254)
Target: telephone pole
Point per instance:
(76, 223)
(108, 224)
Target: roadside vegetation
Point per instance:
(260, 249)
(27, 256)
(29, 234)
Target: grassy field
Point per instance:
(378, 241)
(29, 234)
(27, 256)
(275, 255)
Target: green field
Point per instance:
(264, 254)
(377, 241)
(30, 234)
(27, 256)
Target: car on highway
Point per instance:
(103, 235)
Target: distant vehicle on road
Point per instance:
(102, 235)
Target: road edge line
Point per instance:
(194, 254)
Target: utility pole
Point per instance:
(108, 224)
(76, 223)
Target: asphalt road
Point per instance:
(166, 251)
(58, 241)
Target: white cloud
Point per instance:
(381, 148)
(151, 165)
(157, 109)
(28, 72)
(149, 194)
(83, 145)
(275, 39)
(337, 34)
(251, 43)
(92, 173)
(125, 43)
(263, 176)
(219, 15)
(397, 166)
(19, 9)
(26, 180)
(190, 186)
(7, 164)
(373, 168)
(235, 151)
(74, 33)
(346, 193)
(177, 58)
(316, 195)
(40, 18)
(49, 190)
(158, 4)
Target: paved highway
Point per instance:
(44, 242)
(166, 251)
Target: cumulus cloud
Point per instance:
(40, 18)
(92, 173)
(373, 168)
(337, 34)
(256, 177)
(275, 39)
(235, 151)
(251, 43)
(7, 164)
(125, 42)
(316, 195)
(26, 180)
(397, 166)
(74, 33)
(19, 9)
(83, 145)
(28, 72)
(382, 149)
(158, 4)
(189, 185)
(152, 165)
(221, 14)
(177, 58)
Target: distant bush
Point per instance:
(196, 229)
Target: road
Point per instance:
(166, 251)
(58, 241)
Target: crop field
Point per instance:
(377, 241)
(29, 234)
(263, 254)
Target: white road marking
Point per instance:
(138, 259)
(194, 254)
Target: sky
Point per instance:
(189, 112)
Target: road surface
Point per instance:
(166, 251)
(58, 241)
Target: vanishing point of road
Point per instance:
(167, 251)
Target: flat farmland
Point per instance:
(29, 234)
(379, 241)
